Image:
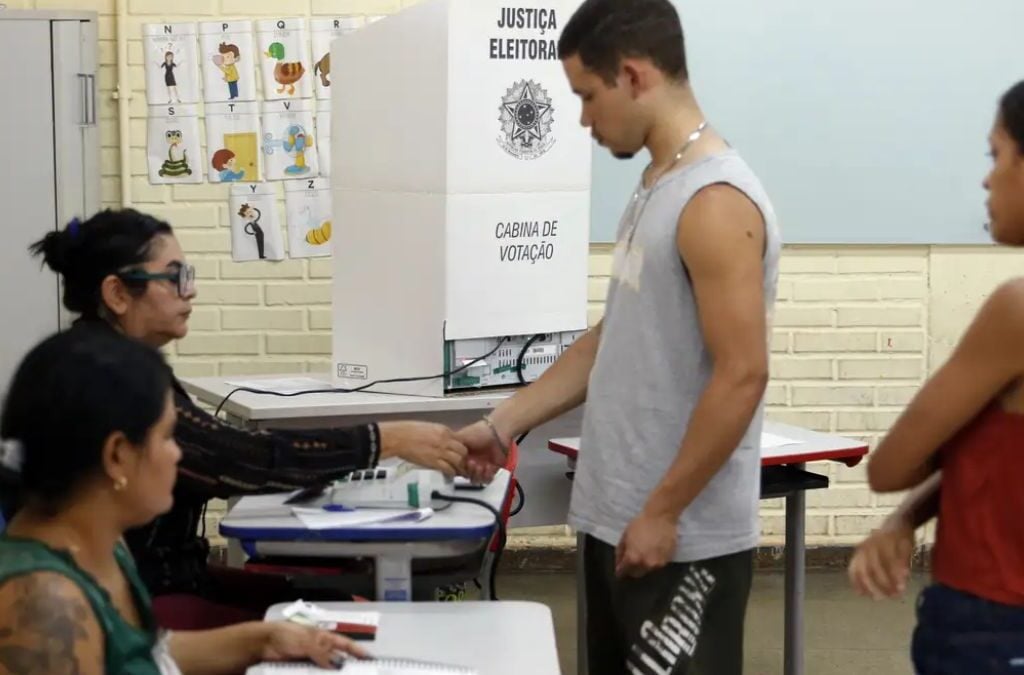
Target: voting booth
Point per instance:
(461, 196)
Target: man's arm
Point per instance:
(721, 240)
(562, 387)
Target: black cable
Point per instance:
(522, 499)
(522, 355)
(340, 390)
(501, 531)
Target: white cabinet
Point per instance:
(49, 162)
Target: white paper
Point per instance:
(172, 69)
(308, 215)
(173, 150)
(281, 385)
(229, 59)
(233, 142)
(323, 135)
(255, 225)
(769, 440)
(324, 31)
(284, 58)
(289, 146)
(320, 519)
(307, 610)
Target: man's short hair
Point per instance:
(603, 32)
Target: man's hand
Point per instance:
(486, 455)
(647, 544)
(427, 444)
(880, 566)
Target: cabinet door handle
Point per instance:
(83, 88)
(92, 98)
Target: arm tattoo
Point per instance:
(40, 634)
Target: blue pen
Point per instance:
(336, 507)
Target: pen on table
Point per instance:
(336, 507)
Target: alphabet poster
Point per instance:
(324, 32)
(229, 61)
(289, 147)
(284, 58)
(173, 149)
(255, 227)
(323, 135)
(233, 142)
(308, 211)
(172, 66)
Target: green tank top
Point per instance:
(128, 649)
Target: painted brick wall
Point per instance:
(850, 340)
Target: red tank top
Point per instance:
(979, 547)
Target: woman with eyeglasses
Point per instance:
(125, 271)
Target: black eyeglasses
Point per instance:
(184, 277)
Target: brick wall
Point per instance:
(851, 337)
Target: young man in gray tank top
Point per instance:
(667, 484)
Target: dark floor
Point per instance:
(844, 633)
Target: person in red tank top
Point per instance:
(959, 449)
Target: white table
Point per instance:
(540, 473)
(783, 474)
(496, 638)
(266, 526)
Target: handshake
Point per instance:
(476, 451)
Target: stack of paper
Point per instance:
(321, 519)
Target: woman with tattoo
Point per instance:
(124, 271)
(87, 450)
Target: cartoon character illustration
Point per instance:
(225, 59)
(251, 215)
(295, 142)
(225, 162)
(287, 73)
(319, 235)
(176, 163)
(169, 80)
(323, 69)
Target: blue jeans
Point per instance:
(962, 634)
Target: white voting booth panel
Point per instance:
(461, 187)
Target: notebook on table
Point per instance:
(377, 666)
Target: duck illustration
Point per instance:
(287, 73)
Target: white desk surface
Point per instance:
(257, 407)
(266, 517)
(496, 638)
(812, 446)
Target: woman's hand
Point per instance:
(291, 641)
(427, 444)
(880, 566)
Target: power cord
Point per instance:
(502, 537)
(522, 355)
(340, 390)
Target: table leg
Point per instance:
(581, 610)
(394, 578)
(793, 643)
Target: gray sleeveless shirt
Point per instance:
(652, 366)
